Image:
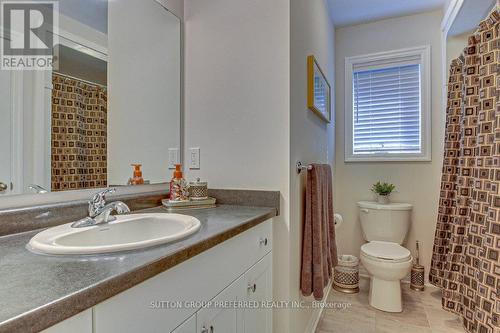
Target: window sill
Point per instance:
(374, 159)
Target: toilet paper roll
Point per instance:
(338, 220)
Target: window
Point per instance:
(387, 106)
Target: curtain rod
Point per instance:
(79, 79)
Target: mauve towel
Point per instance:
(319, 250)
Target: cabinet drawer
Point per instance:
(259, 241)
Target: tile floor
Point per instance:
(422, 313)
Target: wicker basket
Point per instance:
(346, 274)
(198, 190)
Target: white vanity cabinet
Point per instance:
(222, 316)
(194, 296)
(259, 291)
(247, 292)
(189, 326)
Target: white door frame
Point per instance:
(16, 157)
(42, 128)
(449, 17)
(16, 133)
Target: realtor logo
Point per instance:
(29, 34)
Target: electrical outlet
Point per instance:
(173, 157)
(194, 158)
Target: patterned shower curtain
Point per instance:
(466, 254)
(79, 134)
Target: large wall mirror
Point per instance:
(112, 100)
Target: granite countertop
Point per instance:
(38, 291)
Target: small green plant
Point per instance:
(383, 188)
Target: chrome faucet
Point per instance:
(100, 212)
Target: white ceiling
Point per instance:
(470, 15)
(349, 12)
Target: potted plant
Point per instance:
(383, 191)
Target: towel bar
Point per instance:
(301, 167)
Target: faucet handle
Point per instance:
(98, 201)
(100, 197)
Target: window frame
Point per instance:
(384, 60)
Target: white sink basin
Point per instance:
(127, 232)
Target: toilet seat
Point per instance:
(386, 252)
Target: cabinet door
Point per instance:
(189, 326)
(222, 315)
(259, 290)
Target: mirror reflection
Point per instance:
(110, 106)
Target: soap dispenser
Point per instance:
(178, 186)
(137, 178)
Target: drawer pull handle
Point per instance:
(252, 287)
(263, 241)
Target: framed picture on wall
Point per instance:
(318, 90)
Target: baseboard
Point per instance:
(316, 315)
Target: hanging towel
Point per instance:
(319, 250)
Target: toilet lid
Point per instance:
(386, 251)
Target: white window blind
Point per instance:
(387, 110)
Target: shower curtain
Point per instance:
(465, 261)
(79, 134)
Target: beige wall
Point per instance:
(236, 91)
(311, 139)
(417, 182)
(246, 109)
(176, 7)
(455, 46)
(237, 106)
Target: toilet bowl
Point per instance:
(387, 263)
(385, 227)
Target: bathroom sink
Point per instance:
(127, 232)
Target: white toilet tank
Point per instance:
(385, 222)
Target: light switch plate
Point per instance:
(173, 157)
(194, 158)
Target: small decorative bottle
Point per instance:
(137, 178)
(179, 189)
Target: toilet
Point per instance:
(385, 227)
